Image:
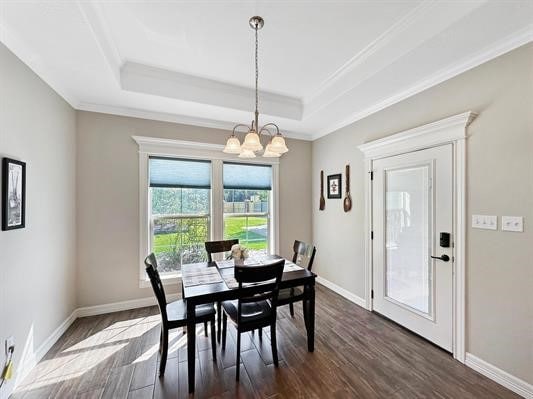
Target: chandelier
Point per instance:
(252, 141)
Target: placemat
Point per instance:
(192, 276)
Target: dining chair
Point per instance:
(174, 314)
(256, 305)
(215, 247)
(304, 255)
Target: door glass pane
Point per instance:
(408, 270)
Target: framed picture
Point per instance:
(335, 186)
(13, 194)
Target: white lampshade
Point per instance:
(278, 144)
(246, 153)
(269, 153)
(233, 146)
(251, 142)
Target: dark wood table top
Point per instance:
(220, 291)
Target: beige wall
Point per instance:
(108, 208)
(37, 263)
(499, 182)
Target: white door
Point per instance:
(412, 210)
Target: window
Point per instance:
(247, 192)
(192, 192)
(179, 192)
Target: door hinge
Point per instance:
(371, 294)
(371, 175)
(371, 235)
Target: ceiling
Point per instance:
(323, 64)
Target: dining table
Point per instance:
(208, 282)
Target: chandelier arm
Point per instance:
(268, 132)
(239, 125)
(270, 124)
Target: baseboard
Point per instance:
(30, 360)
(341, 291)
(496, 374)
(119, 306)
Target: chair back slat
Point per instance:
(214, 247)
(304, 254)
(267, 278)
(151, 269)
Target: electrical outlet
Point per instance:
(513, 223)
(10, 342)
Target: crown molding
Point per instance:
(99, 29)
(424, 19)
(173, 118)
(520, 38)
(383, 39)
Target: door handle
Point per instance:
(444, 258)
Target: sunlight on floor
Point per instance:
(79, 358)
(101, 345)
(65, 368)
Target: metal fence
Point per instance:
(246, 207)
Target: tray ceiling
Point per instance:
(323, 64)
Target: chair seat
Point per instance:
(177, 311)
(250, 312)
(286, 294)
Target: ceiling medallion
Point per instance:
(252, 141)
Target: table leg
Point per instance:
(309, 308)
(191, 343)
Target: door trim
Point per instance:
(451, 130)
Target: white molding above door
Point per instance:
(440, 132)
(448, 130)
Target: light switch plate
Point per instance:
(513, 223)
(487, 222)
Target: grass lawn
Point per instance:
(234, 227)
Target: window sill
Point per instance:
(169, 279)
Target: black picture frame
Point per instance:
(335, 186)
(13, 194)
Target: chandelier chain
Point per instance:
(256, 72)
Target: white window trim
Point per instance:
(152, 146)
(449, 130)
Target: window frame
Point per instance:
(151, 146)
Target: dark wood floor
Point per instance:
(358, 355)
